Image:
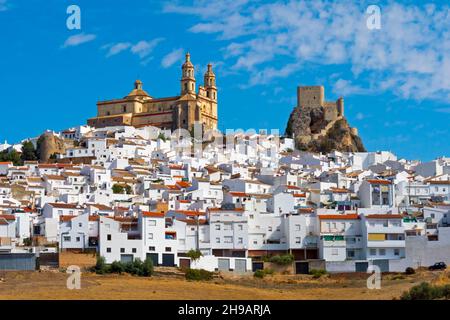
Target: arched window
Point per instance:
(185, 87)
(192, 86)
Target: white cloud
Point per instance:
(117, 48)
(360, 116)
(443, 110)
(142, 48)
(172, 58)
(409, 56)
(3, 5)
(346, 87)
(78, 39)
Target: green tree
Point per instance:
(117, 188)
(28, 151)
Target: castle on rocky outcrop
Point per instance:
(320, 126)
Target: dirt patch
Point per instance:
(83, 260)
(52, 285)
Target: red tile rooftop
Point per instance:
(384, 216)
(338, 216)
(378, 181)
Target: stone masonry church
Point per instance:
(139, 109)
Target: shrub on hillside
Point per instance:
(194, 254)
(317, 273)
(426, 291)
(283, 260)
(117, 267)
(198, 275)
(136, 267)
(261, 273)
(100, 266)
(410, 270)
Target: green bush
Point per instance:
(117, 267)
(100, 266)
(198, 275)
(282, 259)
(317, 273)
(194, 254)
(147, 268)
(426, 291)
(410, 270)
(136, 267)
(261, 273)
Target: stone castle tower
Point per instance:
(139, 109)
(314, 97)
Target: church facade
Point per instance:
(139, 109)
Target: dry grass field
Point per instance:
(52, 285)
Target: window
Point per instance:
(255, 241)
(334, 252)
(228, 239)
(150, 236)
(269, 228)
(151, 248)
(382, 252)
(122, 250)
(351, 253)
(240, 240)
(217, 240)
(240, 227)
(108, 250)
(152, 222)
(396, 252)
(133, 250)
(108, 237)
(66, 238)
(217, 226)
(298, 240)
(78, 239)
(297, 227)
(168, 249)
(373, 252)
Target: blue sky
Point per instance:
(395, 81)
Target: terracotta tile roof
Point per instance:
(340, 190)
(151, 214)
(299, 195)
(338, 216)
(384, 216)
(101, 207)
(62, 205)
(9, 217)
(438, 181)
(54, 177)
(378, 181)
(66, 218)
(238, 194)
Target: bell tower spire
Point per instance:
(188, 76)
(210, 83)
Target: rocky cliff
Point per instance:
(312, 132)
(48, 145)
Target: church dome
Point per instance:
(138, 91)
